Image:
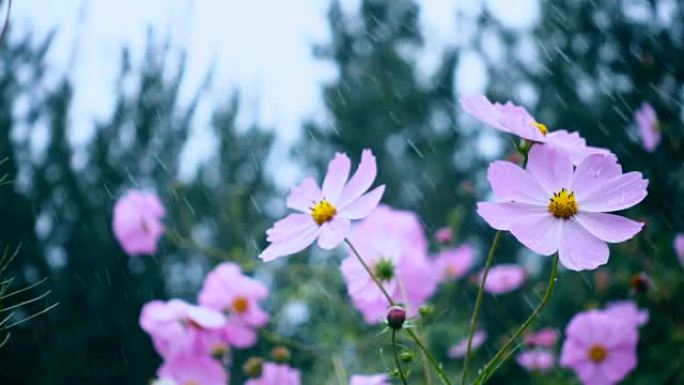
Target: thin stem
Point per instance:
(438, 367)
(413, 335)
(426, 367)
(502, 352)
(368, 270)
(396, 357)
(478, 304)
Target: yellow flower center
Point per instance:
(541, 127)
(240, 304)
(191, 382)
(597, 353)
(323, 212)
(563, 204)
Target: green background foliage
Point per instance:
(592, 69)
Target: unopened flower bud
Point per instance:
(406, 356)
(396, 315)
(280, 354)
(640, 283)
(253, 367)
(425, 311)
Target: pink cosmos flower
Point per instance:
(137, 222)
(504, 278)
(517, 121)
(185, 370)
(539, 360)
(276, 374)
(376, 379)
(459, 350)
(545, 337)
(455, 263)
(178, 328)
(551, 206)
(227, 289)
(325, 213)
(600, 348)
(627, 311)
(444, 235)
(649, 129)
(679, 247)
(394, 245)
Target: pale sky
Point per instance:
(260, 47)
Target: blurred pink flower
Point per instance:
(178, 328)
(627, 311)
(504, 278)
(455, 263)
(376, 379)
(137, 222)
(649, 129)
(517, 121)
(540, 360)
(326, 212)
(549, 206)
(444, 235)
(394, 245)
(186, 370)
(600, 348)
(545, 337)
(679, 247)
(227, 289)
(276, 374)
(459, 350)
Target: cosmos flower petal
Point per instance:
(362, 179)
(678, 245)
(288, 227)
(479, 107)
(137, 222)
(303, 196)
(333, 233)
(615, 194)
(619, 363)
(376, 379)
(512, 183)
(609, 227)
(193, 370)
(551, 168)
(501, 216)
(592, 171)
(364, 205)
(573, 145)
(579, 249)
(647, 123)
(336, 178)
(540, 233)
(508, 117)
(293, 245)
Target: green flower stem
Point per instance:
(438, 367)
(478, 304)
(396, 357)
(368, 270)
(413, 335)
(502, 354)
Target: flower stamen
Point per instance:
(323, 212)
(563, 204)
(597, 353)
(541, 127)
(240, 304)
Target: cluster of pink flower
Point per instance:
(194, 340)
(601, 345)
(560, 202)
